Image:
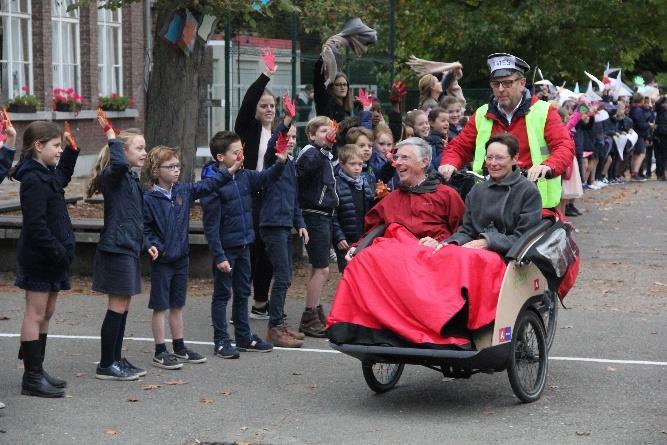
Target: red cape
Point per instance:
(400, 286)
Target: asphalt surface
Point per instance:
(617, 312)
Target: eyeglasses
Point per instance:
(505, 83)
(340, 84)
(491, 158)
(171, 167)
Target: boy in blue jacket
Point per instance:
(228, 228)
(280, 212)
(166, 226)
(318, 200)
(7, 152)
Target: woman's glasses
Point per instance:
(340, 84)
(498, 158)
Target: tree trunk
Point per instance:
(175, 96)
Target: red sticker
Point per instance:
(536, 284)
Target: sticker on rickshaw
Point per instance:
(505, 334)
(536, 284)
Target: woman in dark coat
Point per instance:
(333, 100)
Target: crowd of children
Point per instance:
(254, 193)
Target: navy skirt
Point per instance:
(24, 281)
(116, 274)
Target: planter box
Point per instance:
(108, 108)
(16, 108)
(67, 108)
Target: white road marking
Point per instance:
(331, 351)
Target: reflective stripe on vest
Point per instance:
(536, 118)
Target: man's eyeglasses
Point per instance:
(171, 167)
(505, 83)
(492, 158)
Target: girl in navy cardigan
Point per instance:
(7, 151)
(166, 227)
(116, 270)
(46, 245)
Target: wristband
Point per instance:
(106, 128)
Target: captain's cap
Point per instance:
(504, 64)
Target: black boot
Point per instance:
(34, 383)
(55, 381)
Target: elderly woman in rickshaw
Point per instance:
(426, 282)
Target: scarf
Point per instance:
(357, 182)
(428, 185)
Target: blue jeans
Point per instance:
(279, 251)
(238, 281)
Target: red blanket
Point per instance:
(398, 285)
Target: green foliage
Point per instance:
(115, 102)
(564, 38)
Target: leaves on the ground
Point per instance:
(554, 387)
(583, 433)
(225, 393)
(656, 282)
(312, 386)
(80, 374)
(110, 433)
(4, 317)
(176, 382)
(151, 386)
(567, 326)
(488, 413)
(244, 428)
(609, 368)
(206, 401)
(297, 373)
(133, 399)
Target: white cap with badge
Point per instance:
(504, 64)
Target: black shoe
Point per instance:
(189, 356)
(576, 210)
(34, 383)
(166, 360)
(260, 314)
(255, 344)
(133, 369)
(115, 372)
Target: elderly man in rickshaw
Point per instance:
(427, 281)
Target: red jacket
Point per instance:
(461, 149)
(436, 214)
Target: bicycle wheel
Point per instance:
(548, 309)
(381, 377)
(528, 362)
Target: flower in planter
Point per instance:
(115, 102)
(67, 100)
(24, 102)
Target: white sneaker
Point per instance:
(600, 184)
(594, 186)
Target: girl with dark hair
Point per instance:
(46, 245)
(333, 100)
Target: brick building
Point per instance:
(96, 52)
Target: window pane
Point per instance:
(25, 40)
(73, 38)
(5, 39)
(4, 5)
(4, 82)
(55, 46)
(24, 6)
(114, 46)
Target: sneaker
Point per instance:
(637, 178)
(166, 360)
(311, 324)
(570, 212)
(255, 344)
(114, 372)
(281, 337)
(600, 184)
(189, 356)
(260, 314)
(593, 186)
(226, 350)
(605, 181)
(296, 334)
(2, 405)
(576, 210)
(332, 256)
(133, 369)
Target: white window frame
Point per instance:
(7, 16)
(60, 18)
(106, 24)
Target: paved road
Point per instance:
(618, 311)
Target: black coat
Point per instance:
(123, 206)
(661, 119)
(317, 182)
(349, 220)
(246, 126)
(46, 245)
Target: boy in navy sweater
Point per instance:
(318, 200)
(228, 228)
(280, 212)
(166, 226)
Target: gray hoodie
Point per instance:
(500, 212)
